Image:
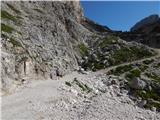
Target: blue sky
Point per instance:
(119, 15)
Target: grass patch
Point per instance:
(136, 72)
(83, 86)
(83, 49)
(142, 67)
(129, 54)
(153, 76)
(120, 56)
(133, 74)
(6, 28)
(13, 8)
(153, 104)
(6, 15)
(121, 69)
(98, 66)
(68, 83)
(109, 40)
(148, 95)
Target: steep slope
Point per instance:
(40, 37)
(152, 19)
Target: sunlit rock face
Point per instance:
(41, 36)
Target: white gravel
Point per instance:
(53, 100)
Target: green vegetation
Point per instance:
(132, 74)
(68, 83)
(6, 28)
(121, 69)
(142, 67)
(83, 49)
(6, 15)
(153, 104)
(153, 76)
(14, 9)
(4, 36)
(38, 10)
(129, 54)
(136, 72)
(140, 52)
(147, 62)
(120, 56)
(98, 66)
(83, 86)
(108, 41)
(147, 96)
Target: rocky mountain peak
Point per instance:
(146, 21)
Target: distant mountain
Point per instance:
(147, 25)
(146, 31)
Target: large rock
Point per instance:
(137, 83)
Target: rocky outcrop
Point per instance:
(41, 37)
(148, 21)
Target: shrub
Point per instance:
(83, 86)
(83, 49)
(136, 72)
(6, 15)
(68, 83)
(121, 69)
(142, 67)
(6, 28)
(133, 74)
(108, 41)
(153, 76)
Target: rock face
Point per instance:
(138, 84)
(152, 19)
(41, 36)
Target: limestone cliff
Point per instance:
(39, 37)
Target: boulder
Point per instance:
(142, 103)
(137, 83)
(82, 71)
